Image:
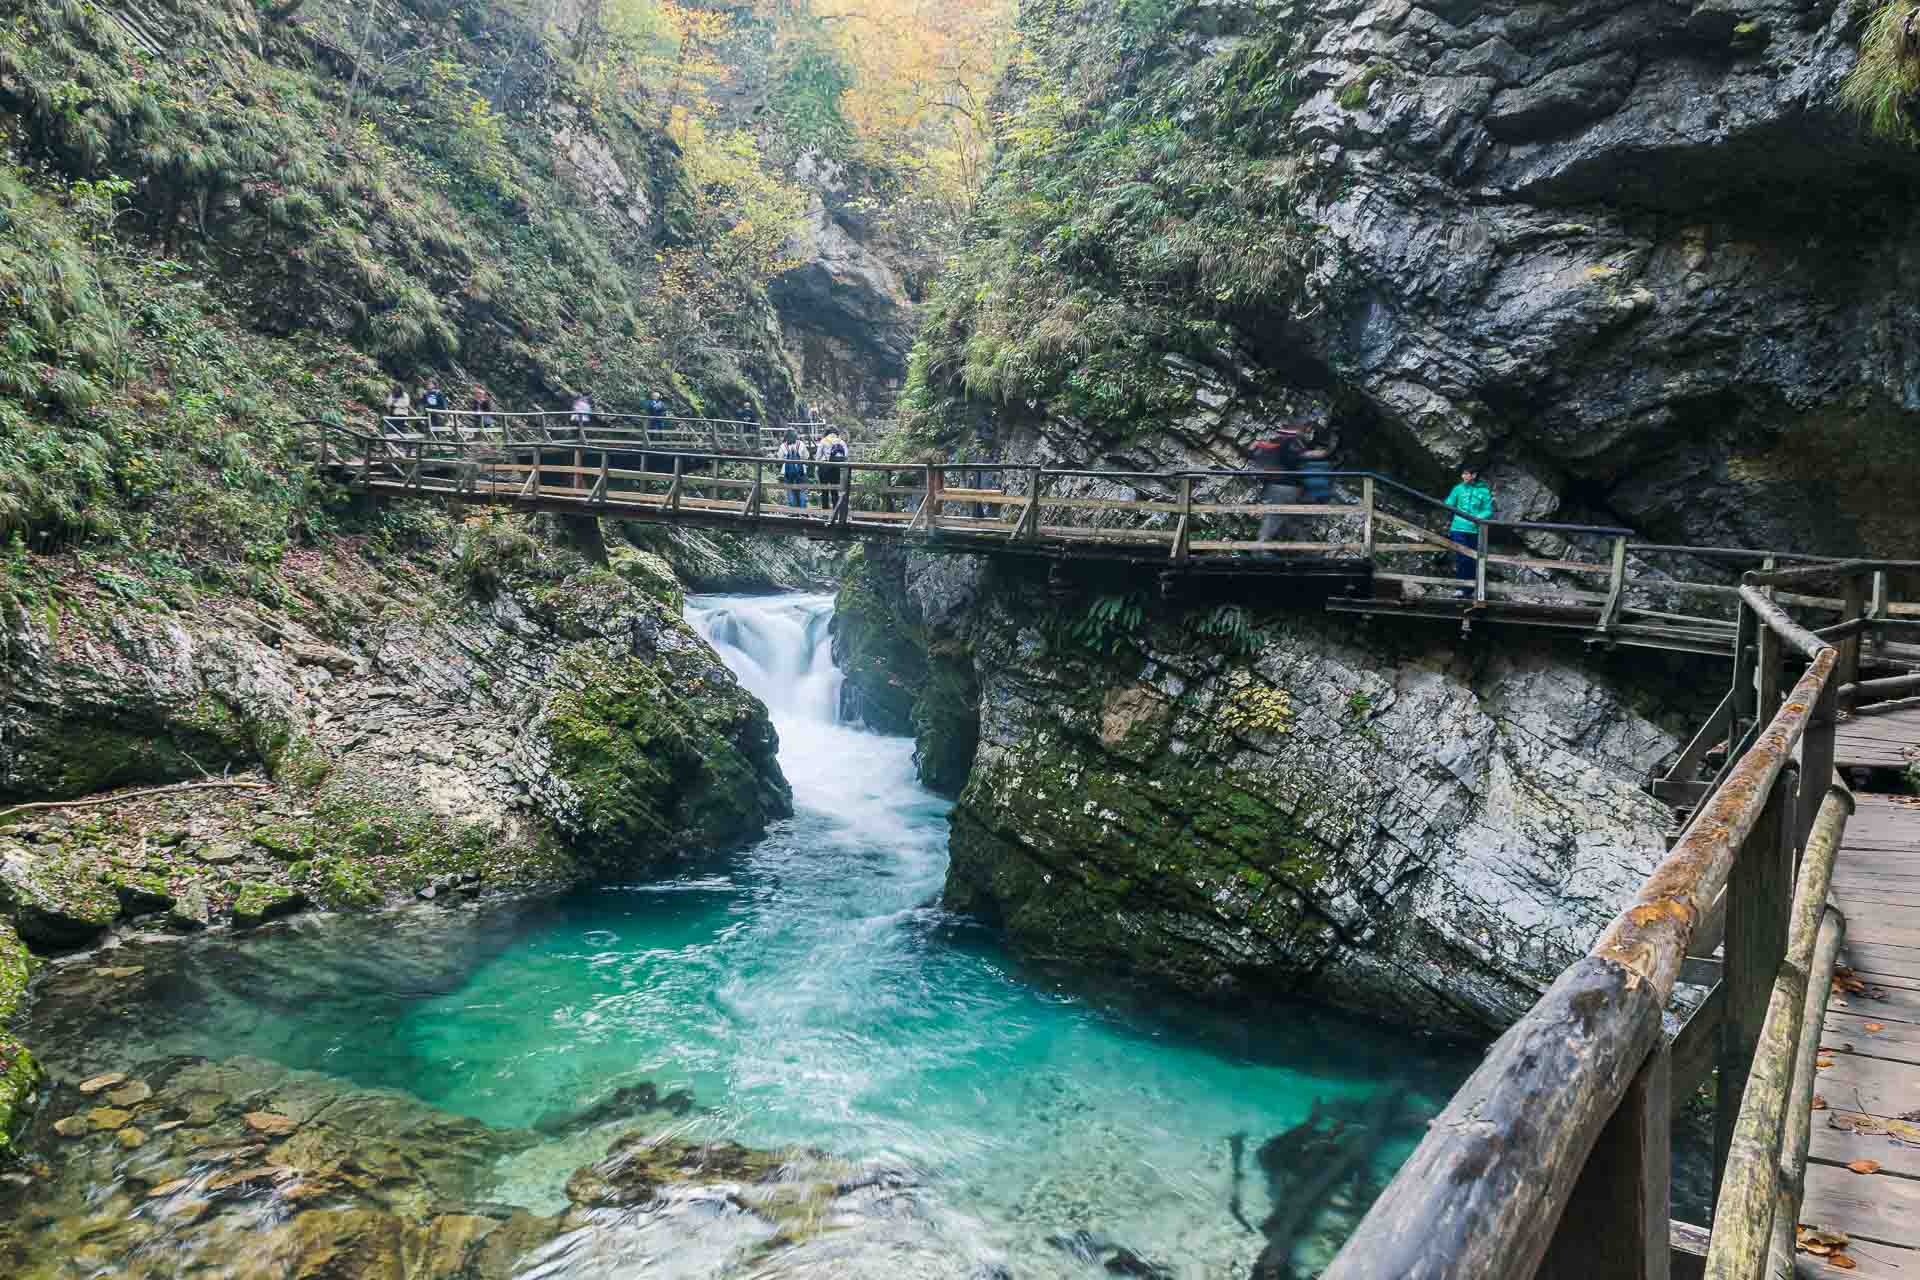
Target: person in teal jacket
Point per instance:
(1470, 497)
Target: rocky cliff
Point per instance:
(1249, 801)
(1635, 252)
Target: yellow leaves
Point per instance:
(1864, 1166)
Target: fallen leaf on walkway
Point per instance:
(1823, 1063)
(1874, 1026)
(1842, 1261)
(1819, 1103)
(1865, 1166)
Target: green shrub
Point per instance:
(1885, 80)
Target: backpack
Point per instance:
(1280, 453)
(837, 451)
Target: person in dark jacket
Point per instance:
(1281, 451)
(434, 401)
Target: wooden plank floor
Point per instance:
(1880, 737)
(1873, 1041)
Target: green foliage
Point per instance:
(807, 97)
(1134, 207)
(197, 249)
(1354, 95)
(1885, 81)
(1107, 621)
(491, 551)
(1233, 627)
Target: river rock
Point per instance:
(107, 1081)
(130, 1138)
(128, 1095)
(191, 910)
(73, 1126)
(108, 1117)
(274, 1126)
(258, 902)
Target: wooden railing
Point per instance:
(1553, 1158)
(1600, 580)
(745, 437)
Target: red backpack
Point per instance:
(1276, 453)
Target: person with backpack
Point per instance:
(399, 408)
(434, 401)
(793, 468)
(1316, 459)
(1469, 499)
(656, 412)
(831, 449)
(1281, 451)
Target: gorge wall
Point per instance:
(1636, 256)
(1251, 801)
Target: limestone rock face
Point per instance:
(559, 727)
(845, 306)
(1392, 824)
(1563, 233)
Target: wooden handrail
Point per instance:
(1744, 1211)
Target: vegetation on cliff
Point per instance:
(1138, 202)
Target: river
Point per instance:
(807, 992)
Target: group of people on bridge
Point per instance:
(1306, 448)
(482, 415)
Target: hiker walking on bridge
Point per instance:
(1470, 498)
(399, 406)
(793, 468)
(831, 449)
(656, 413)
(1284, 450)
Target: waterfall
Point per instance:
(779, 646)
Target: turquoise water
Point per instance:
(808, 990)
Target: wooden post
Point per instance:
(1366, 518)
(936, 477)
(1180, 533)
(1853, 604)
(1746, 623)
(1615, 1226)
(1880, 603)
(1030, 518)
(1797, 1135)
(1480, 563)
(1616, 583)
(753, 494)
(679, 474)
(1767, 675)
(1816, 755)
(1744, 1211)
(1759, 894)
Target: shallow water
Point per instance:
(806, 991)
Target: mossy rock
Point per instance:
(141, 891)
(257, 902)
(283, 842)
(652, 575)
(56, 902)
(19, 1077)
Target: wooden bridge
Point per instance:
(1375, 541)
(1553, 1159)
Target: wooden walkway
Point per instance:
(1376, 546)
(1872, 1037)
